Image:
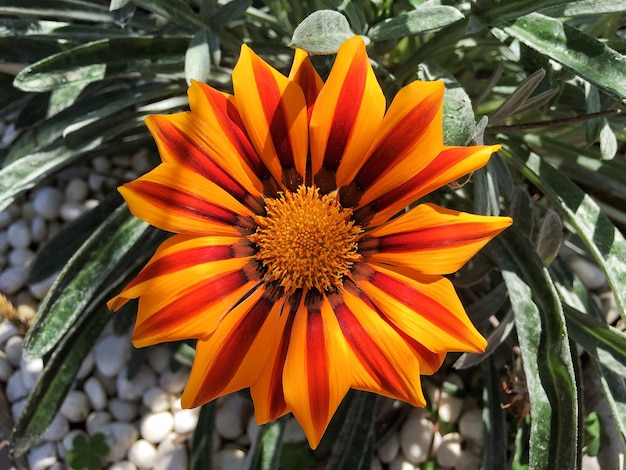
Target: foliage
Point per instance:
(86, 452)
(546, 79)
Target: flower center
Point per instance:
(306, 240)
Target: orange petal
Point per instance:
(235, 354)
(273, 110)
(452, 163)
(431, 239)
(176, 199)
(315, 379)
(224, 132)
(425, 307)
(409, 138)
(304, 74)
(268, 391)
(382, 362)
(346, 114)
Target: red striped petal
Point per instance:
(273, 110)
(179, 200)
(425, 307)
(304, 74)
(452, 163)
(234, 355)
(345, 117)
(431, 239)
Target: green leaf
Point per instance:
(228, 12)
(459, 122)
(495, 12)
(198, 58)
(354, 13)
(88, 278)
(608, 141)
(322, 32)
(603, 240)
(586, 8)
(57, 9)
(614, 386)
(266, 451)
(105, 59)
(55, 381)
(519, 97)
(549, 237)
(122, 11)
(353, 447)
(202, 445)
(177, 11)
(574, 49)
(600, 340)
(421, 20)
(546, 355)
(494, 418)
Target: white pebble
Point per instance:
(95, 393)
(71, 211)
(7, 330)
(101, 164)
(28, 211)
(185, 421)
(232, 417)
(252, 430)
(450, 407)
(15, 389)
(134, 388)
(19, 234)
(40, 289)
(400, 464)
(96, 421)
(293, 432)
(159, 358)
(415, 439)
(76, 407)
(38, 229)
(172, 454)
(17, 407)
(471, 426)
(375, 464)
(231, 459)
(12, 280)
(13, 350)
(5, 219)
(47, 202)
(123, 465)
(111, 354)
(156, 426)
(122, 410)
(5, 367)
(156, 399)
(449, 452)
(67, 443)
(58, 428)
(86, 366)
(76, 190)
(174, 382)
(107, 382)
(389, 449)
(96, 182)
(42, 456)
(31, 370)
(590, 274)
(119, 437)
(142, 453)
(140, 162)
(90, 204)
(21, 257)
(4, 241)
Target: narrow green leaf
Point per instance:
(266, 451)
(586, 8)
(353, 447)
(421, 20)
(608, 141)
(52, 386)
(604, 241)
(575, 50)
(86, 279)
(550, 237)
(176, 11)
(122, 11)
(494, 418)
(517, 99)
(58, 9)
(202, 451)
(546, 355)
(605, 343)
(495, 12)
(354, 13)
(614, 386)
(198, 58)
(104, 59)
(322, 32)
(26, 50)
(228, 12)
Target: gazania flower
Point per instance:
(289, 262)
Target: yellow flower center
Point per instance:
(306, 240)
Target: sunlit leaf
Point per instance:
(322, 32)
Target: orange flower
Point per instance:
(287, 264)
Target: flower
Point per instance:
(289, 264)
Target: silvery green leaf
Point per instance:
(198, 58)
(322, 32)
